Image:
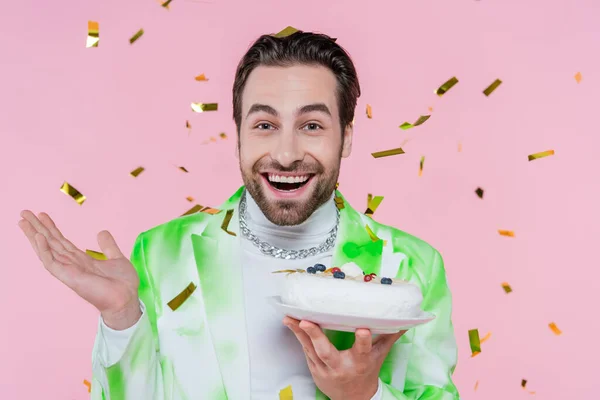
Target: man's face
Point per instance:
(291, 142)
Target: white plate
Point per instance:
(349, 323)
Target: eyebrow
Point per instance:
(315, 107)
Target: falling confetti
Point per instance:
(93, 37)
(136, 172)
(486, 337)
(506, 233)
(88, 384)
(474, 342)
(192, 210)
(386, 153)
(203, 107)
(189, 198)
(339, 202)
(183, 169)
(421, 165)
(459, 147)
(479, 192)
(542, 154)
(430, 109)
(286, 32)
(369, 111)
(222, 135)
(446, 86)
(201, 78)
(95, 254)
(178, 300)
(408, 125)
(476, 385)
(286, 393)
(166, 3)
(210, 210)
(226, 221)
(488, 90)
(187, 124)
(524, 384)
(578, 77)
(506, 287)
(373, 236)
(135, 37)
(372, 204)
(554, 328)
(74, 193)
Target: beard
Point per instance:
(291, 212)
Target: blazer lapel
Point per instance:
(218, 258)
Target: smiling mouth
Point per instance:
(287, 183)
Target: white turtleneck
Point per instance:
(271, 345)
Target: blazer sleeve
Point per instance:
(433, 354)
(135, 371)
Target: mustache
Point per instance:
(297, 167)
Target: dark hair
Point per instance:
(305, 48)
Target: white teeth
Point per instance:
(288, 179)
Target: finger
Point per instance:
(307, 345)
(56, 233)
(362, 342)
(384, 343)
(323, 347)
(45, 252)
(30, 232)
(108, 245)
(40, 228)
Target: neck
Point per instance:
(311, 232)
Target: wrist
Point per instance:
(124, 318)
(366, 393)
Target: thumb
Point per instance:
(108, 246)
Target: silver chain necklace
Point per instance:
(285, 254)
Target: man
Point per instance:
(188, 317)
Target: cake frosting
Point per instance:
(350, 293)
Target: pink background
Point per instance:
(89, 116)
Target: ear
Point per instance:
(347, 140)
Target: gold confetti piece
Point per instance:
(421, 165)
(506, 233)
(369, 111)
(88, 384)
(183, 169)
(93, 37)
(506, 287)
(289, 271)
(286, 393)
(486, 337)
(578, 77)
(479, 192)
(193, 210)
(408, 125)
(95, 254)
(135, 37)
(372, 204)
(373, 236)
(430, 109)
(554, 328)
(542, 154)
(226, 221)
(201, 78)
(446, 86)
(476, 385)
(286, 32)
(222, 135)
(203, 107)
(182, 297)
(189, 198)
(188, 125)
(209, 210)
(488, 90)
(136, 172)
(166, 3)
(459, 147)
(339, 202)
(474, 342)
(524, 384)
(386, 153)
(74, 193)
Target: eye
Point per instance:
(264, 126)
(312, 126)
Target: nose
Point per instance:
(287, 149)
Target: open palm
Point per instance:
(109, 285)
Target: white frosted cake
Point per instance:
(347, 290)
